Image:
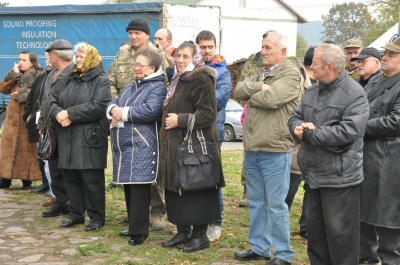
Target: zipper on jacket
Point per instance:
(385, 149)
(141, 136)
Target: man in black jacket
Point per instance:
(330, 123)
(61, 59)
(380, 195)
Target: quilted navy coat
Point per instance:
(135, 145)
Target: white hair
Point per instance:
(81, 47)
(283, 40)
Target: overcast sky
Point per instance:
(309, 9)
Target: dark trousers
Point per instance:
(86, 192)
(41, 164)
(380, 242)
(137, 198)
(58, 186)
(333, 225)
(295, 180)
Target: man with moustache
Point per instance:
(352, 48)
(271, 94)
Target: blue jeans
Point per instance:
(267, 183)
(219, 220)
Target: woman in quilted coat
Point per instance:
(134, 135)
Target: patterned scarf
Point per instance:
(196, 62)
(92, 60)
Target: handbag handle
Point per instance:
(199, 133)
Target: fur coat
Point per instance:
(17, 155)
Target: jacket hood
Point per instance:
(219, 64)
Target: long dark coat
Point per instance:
(135, 146)
(380, 191)
(83, 144)
(33, 102)
(195, 93)
(17, 155)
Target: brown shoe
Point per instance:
(244, 202)
(49, 202)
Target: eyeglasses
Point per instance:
(138, 65)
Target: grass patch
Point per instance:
(104, 246)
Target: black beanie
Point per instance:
(308, 57)
(138, 24)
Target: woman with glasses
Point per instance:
(134, 135)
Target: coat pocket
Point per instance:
(93, 135)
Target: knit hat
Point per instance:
(139, 24)
(308, 57)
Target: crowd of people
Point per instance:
(332, 122)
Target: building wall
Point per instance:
(242, 27)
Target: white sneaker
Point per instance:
(213, 232)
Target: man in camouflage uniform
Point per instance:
(122, 73)
(352, 48)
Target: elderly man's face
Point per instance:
(137, 38)
(390, 63)
(367, 66)
(271, 52)
(350, 53)
(318, 67)
(161, 38)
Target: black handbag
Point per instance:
(198, 163)
(46, 148)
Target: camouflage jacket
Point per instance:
(252, 65)
(353, 73)
(122, 71)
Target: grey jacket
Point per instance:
(331, 155)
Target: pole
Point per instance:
(398, 23)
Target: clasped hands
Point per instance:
(63, 118)
(116, 112)
(298, 131)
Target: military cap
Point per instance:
(393, 44)
(59, 44)
(353, 43)
(368, 52)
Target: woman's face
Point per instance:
(183, 58)
(24, 64)
(80, 58)
(142, 67)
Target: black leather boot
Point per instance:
(198, 240)
(180, 238)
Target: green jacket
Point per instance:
(353, 73)
(265, 125)
(122, 71)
